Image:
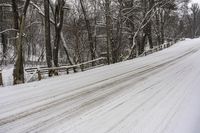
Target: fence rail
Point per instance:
(157, 48)
(55, 70)
(40, 71)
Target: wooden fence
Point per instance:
(157, 48)
(40, 71)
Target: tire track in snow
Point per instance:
(174, 91)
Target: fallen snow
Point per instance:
(7, 75)
(158, 93)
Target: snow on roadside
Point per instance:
(7, 74)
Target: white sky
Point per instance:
(196, 1)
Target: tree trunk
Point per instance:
(148, 28)
(59, 17)
(15, 21)
(4, 44)
(116, 52)
(162, 22)
(90, 38)
(19, 65)
(19, 22)
(67, 52)
(48, 36)
(158, 28)
(108, 29)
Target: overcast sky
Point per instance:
(196, 1)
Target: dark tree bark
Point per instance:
(15, 20)
(148, 5)
(15, 14)
(90, 38)
(59, 17)
(48, 36)
(4, 44)
(149, 25)
(19, 65)
(195, 10)
(116, 48)
(108, 30)
(158, 28)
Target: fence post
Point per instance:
(39, 74)
(74, 68)
(67, 71)
(82, 67)
(1, 78)
(55, 72)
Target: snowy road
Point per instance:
(159, 93)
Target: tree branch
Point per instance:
(7, 30)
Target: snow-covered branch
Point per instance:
(8, 30)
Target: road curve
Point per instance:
(122, 98)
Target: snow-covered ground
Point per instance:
(159, 93)
(7, 75)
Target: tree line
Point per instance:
(56, 32)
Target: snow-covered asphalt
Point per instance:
(159, 93)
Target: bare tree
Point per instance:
(48, 36)
(108, 30)
(19, 22)
(59, 17)
(89, 31)
(195, 12)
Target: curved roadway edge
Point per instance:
(154, 94)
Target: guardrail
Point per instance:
(45, 70)
(40, 71)
(157, 48)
